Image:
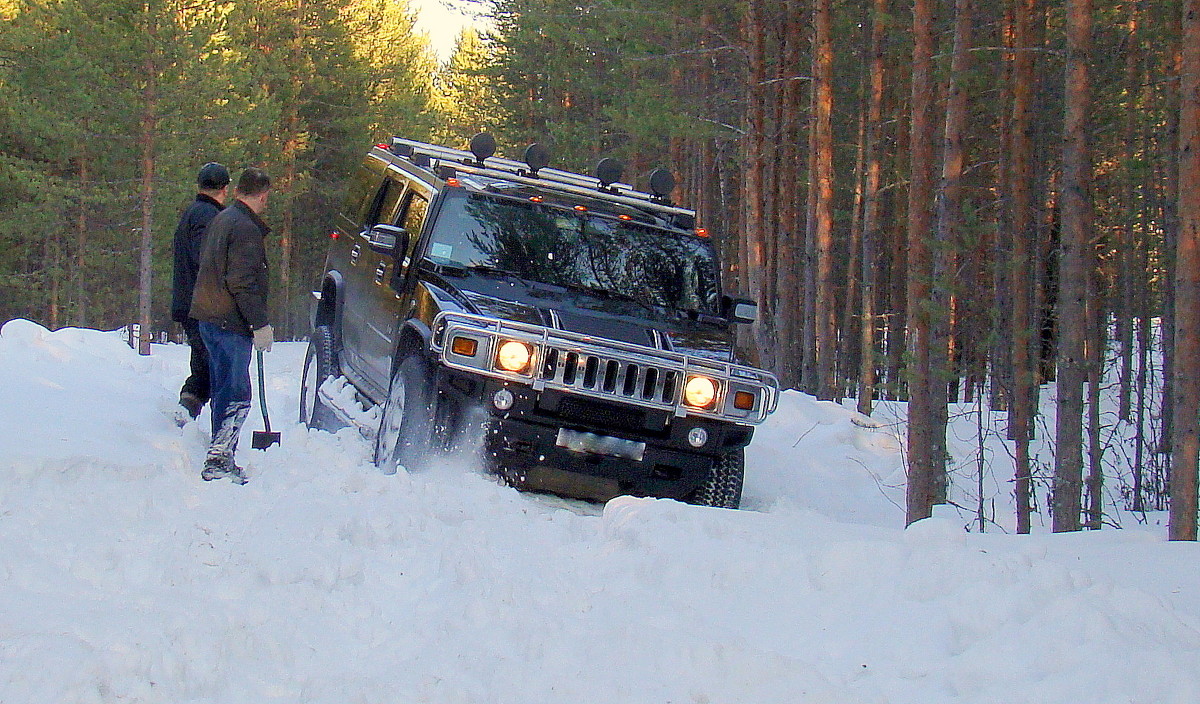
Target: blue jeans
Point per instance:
(229, 378)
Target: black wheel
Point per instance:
(724, 487)
(406, 428)
(320, 363)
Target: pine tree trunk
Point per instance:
(1170, 243)
(1073, 272)
(949, 237)
(922, 464)
(791, 217)
(1096, 316)
(78, 295)
(1125, 233)
(754, 186)
(1023, 242)
(1186, 441)
(826, 310)
(849, 339)
(870, 226)
(145, 270)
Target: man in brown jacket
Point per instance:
(230, 301)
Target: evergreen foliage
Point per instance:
(108, 107)
(90, 89)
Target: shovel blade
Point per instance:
(262, 439)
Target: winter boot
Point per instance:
(217, 467)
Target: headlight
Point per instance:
(699, 392)
(514, 356)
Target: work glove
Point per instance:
(263, 337)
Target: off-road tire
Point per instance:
(320, 363)
(724, 487)
(406, 426)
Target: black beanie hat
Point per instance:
(212, 176)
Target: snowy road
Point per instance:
(124, 578)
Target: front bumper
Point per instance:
(523, 443)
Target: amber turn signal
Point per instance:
(464, 346)
(743, 400)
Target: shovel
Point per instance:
(262, 439)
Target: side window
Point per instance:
(361, 192)
(413, 219)
(383, 208)
(414, 215)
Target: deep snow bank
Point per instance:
(124, 578)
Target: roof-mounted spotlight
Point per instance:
(483, 145)
(537, 157)
(609, 171)
(683, 221)
(400, 149)
(662, 182)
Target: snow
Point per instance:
(125, 578)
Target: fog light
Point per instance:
(743, 401)
(502, 400)
(464, 346)
(697, 437)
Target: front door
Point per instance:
(387, 277)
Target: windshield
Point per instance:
(564, 248)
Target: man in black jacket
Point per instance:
(230, 301)
(213, 183)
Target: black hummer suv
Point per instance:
(575, 321)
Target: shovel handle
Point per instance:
(262, 393)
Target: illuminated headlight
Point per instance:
(699, 392)
(514, 356)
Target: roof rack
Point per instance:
(446, 162)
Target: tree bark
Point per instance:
(1186, 441)
(870, 222)
(755, 228)
(826, 311)
(147, 143)
(1023, 240)
(923, 474)
(1073, 272)
(948, 240)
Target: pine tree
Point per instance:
(466, 102)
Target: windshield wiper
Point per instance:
(457, 269)
(491, 270)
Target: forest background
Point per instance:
(932, 201)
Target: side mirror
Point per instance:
(388, 239)
(740, 310)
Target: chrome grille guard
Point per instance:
(602, 368)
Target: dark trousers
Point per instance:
(197, 384)
(229, 368)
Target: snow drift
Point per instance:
(125, 578)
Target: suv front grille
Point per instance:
(608, 376)
(608, 370)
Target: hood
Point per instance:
(612, 319)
